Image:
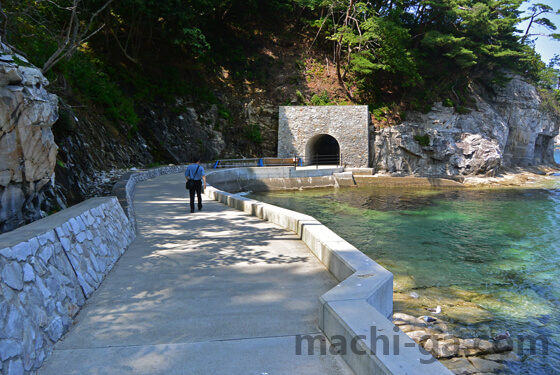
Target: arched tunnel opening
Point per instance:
(322, 149)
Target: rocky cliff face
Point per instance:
(508, 128)
(27, 147)
(93, 153)
(190, 129)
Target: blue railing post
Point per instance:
(261, 164)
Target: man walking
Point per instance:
(195, 172)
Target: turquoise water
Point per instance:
(496, 250)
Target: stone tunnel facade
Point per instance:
(309, 131)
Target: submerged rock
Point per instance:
(460, 366)
(477, 355)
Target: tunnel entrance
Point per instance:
(322, 149)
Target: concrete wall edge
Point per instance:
(365, 288)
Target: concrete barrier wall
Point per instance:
(273, 178)
(358, 310)
(48, 269)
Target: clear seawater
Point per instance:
(496, 248)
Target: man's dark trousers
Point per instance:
(198, 190)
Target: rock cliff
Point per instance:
(93, 153)
(509, 127)
(42, 136)
(27, 147)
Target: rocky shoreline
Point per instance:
(536, 176)
(470, 356)
(438, 333)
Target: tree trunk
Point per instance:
(339, 52)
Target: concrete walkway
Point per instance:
(214, 292)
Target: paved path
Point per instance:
(214, 292)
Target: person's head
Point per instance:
(195, 159)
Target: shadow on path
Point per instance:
(213, 292)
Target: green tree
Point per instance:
(538, 10)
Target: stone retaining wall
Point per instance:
(349, 125)
(356, 311)
(48, 269)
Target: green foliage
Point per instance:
(550, 100)
(382, 53)
(223, 112)
(65, 120)
(300, 64)
(379, 112)
(253, 133)
(549, 76)
(421, 106)
(423, 140)
(461, 110)
(322, 99)
(451, 47)
(96, 86)
(411, 52)
(195, 39)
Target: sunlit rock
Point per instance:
(509, 127)
(27, 147)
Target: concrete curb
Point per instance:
(357, 311)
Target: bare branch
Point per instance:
(318, 32)
(74, 33)
(338, 53)
(124, 49)
(93, 16)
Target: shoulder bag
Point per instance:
(190, 182)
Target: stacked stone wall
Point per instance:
(47, 270)
(349, 125)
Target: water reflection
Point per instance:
(383, 199)
(490, 255)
